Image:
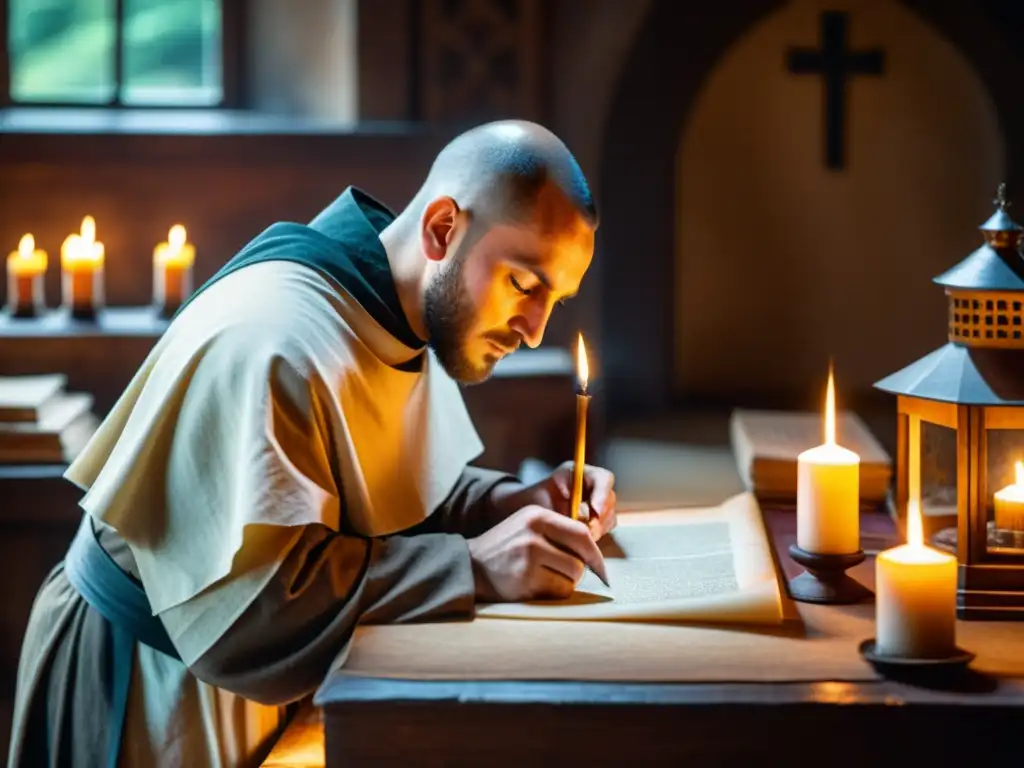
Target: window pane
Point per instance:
(939, 484)
(61, 50)
(172, 52)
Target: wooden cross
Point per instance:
(835, 63)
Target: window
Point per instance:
(136, 53)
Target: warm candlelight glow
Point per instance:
(88, 230)
(916, 596)
(172, 271)
(579, 454)
(177, 251)
(915, 526)
(25, 269)
(1009, 502)
(81, 260)
(176, 237)
(830, 410)
(828, 491)
(82, 251)
(27, 260)
(582, 368)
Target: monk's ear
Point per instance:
(438, 227)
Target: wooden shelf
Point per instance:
(32, 471)
(99, 357)
(110, 322)
(143, 322)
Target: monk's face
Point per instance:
(498, 287)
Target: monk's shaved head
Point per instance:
(514, 171)
(499, 234)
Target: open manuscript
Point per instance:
(711, 564)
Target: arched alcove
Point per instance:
(678, 48)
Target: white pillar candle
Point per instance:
(828, 492)
(172, 271)
(82, 258)
(915, 597)
(25, 270)
(1009, 503)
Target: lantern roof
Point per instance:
(1000, 221)
(962, 375)
(987, 269)
(997, 265)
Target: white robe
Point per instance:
(202, 468)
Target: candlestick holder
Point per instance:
(825, 581)
(944, 670)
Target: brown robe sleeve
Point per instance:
(280, 648)
(282, 645)
(470, 508)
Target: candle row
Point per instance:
(915, 585)
(82, 259)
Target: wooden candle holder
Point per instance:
(950, 672)
(825, 581)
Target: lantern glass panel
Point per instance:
(938, 472)
(1003, 494)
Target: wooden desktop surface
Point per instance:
(387, 721)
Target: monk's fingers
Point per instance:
(604, 523)
(547, 556)
(552, 585)
(599, 491)
(572, 536)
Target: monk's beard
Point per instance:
(449, 315)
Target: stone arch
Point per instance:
(636, 242)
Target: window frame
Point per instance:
(232, 65)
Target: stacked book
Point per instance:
(766, 445)
(42, 423)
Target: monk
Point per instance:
(294, 459)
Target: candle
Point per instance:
(828, 492)
(81, 259)
(172, 271)
(579, 460)
(25, 269)
(915, 590)
(1009, 502)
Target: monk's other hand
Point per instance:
(598, 507)
(534, 554)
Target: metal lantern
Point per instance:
(960, 427)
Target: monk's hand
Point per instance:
(598, 497)
(534, 554)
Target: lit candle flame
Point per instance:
(830, 410)
(1019, 473)
(88, 230)
(176, 237)
(915, 526)
(26, 246)
(583, 370)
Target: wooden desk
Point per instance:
(378, 721)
